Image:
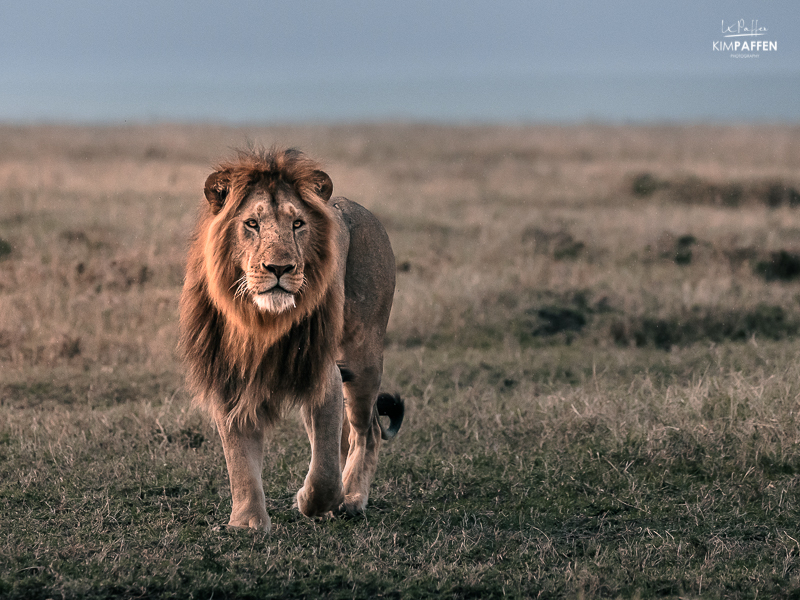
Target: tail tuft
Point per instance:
(347, 374)
(392, 406)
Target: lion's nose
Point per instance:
(279, 270)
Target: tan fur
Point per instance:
(282, 281)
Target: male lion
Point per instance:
(282, 283)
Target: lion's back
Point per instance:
(369, 265)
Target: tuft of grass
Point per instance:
(5, 249)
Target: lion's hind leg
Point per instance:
(322, 490)
(363, 439)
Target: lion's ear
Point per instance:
(323, 185)
(216, 191)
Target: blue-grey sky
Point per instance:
(420, 59)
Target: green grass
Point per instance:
(602, 385)
(648, 477)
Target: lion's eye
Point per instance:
(252, 224)
(298, 224)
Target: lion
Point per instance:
(285, 303)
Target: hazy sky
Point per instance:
(59, 48)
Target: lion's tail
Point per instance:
(392, 406)
(386, 405)
(347, 374)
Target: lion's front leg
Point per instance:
(244, 450)
(322, 489)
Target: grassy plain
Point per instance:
(596, 331)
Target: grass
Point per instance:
(602, 383)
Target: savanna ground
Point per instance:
(596, 331)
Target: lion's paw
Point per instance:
(258, 522)
(316, 504)
(355, 504)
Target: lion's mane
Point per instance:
(247, 363)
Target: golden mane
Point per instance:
(247, 363)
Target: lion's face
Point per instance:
(267, 243)
(271, 233)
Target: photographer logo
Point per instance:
(744, 39)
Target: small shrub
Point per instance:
(559, 244)
(694, 190)
(698, 325)
(69, 347)
(779, 194)
(645, 184)
(569, 250)
(535, 320)
(781, 266)
(555, 319)
(683, 249)
(5, 249)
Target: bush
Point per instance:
(645, 184)
(781, 266)
(697, 325)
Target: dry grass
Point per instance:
(98, 219)
(601, 378)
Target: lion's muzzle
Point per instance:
(273, 287)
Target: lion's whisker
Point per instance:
(241, 289)
(237, 283)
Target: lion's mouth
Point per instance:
(274, 300)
